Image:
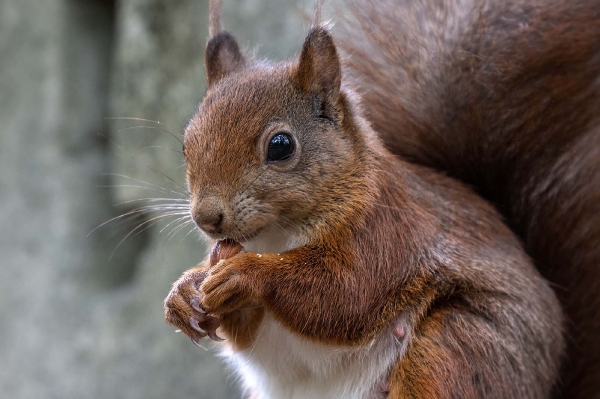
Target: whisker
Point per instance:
(152, 128)
(172, 211)
(176, 185)
(289, 223)
(119, 118)
(136, 229)
(283, 230)
(178, 192)
(179, 224)
(153, 200)
(180, 189)
(136, 186)
(146, 228)
(162, 207)
(174, 232)
(175, 229)
(136, 212)
(119, 225)
(162, 148)
(174, 221)
(189, 232)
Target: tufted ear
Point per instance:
(319, 72)
(222, 57)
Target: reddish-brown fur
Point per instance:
(382, 237)
(238, 327)
(504, 95)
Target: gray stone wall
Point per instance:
(81, 318)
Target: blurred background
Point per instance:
(81, 309)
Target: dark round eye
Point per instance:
(281, 148)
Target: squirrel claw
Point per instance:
(205, 325)
(213, 335)
(194, 322)
(195, 304)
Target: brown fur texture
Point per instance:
(381, 237)
(238, 327)
(505, 96)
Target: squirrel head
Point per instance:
(272, 143)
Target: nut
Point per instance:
(224, 249)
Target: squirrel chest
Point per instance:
(279, 363)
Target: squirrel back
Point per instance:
(505, 96)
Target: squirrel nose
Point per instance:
(209, 215)
(211, 222)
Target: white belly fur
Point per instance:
(282, 365)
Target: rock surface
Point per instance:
(76, 321)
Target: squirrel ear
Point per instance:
(222, 56)
(319, 72)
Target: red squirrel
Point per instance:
(505, 96)
(362, 275)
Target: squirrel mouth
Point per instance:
(241, 238)
(235, 237)
(250, 236)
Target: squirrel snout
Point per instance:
(209, 216)
(210, 224)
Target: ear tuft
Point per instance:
(223, 56)
(319, 72)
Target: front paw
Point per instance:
(231, 285)
(183, 307)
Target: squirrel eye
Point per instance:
(281, 148)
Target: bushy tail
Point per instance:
(504, 95)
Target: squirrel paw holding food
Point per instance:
(185, 307)
(232, 284)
